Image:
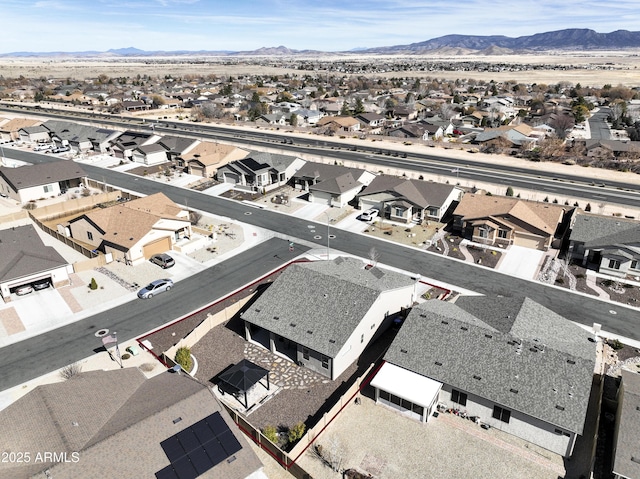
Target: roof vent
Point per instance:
(177, 420)
(423, 315)
(293, 325)
(514, 391)
(511, 343)
(489, 336)
(332, 341)
(74, 423)
(464, 328)
(309, 331)
(444, 322)
(533, 350)
(276, 317)
(438, 363)
(475, 376)
(403, 351)
(570, 361)
(559, 408)
(257, 310)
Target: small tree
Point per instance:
(588, 207)
(296, 432)
(271, 433)
(509, 191)
(183, 358)
(93, 284)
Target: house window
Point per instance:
(362, 338)
(305, 354)
(483, 232)
(458, 397)
(325, 362)
(634, 264)
(48, 188)
(501, 414)
(90, 235)
(503, 234)
(399, 211)
(433, 211)
(614, 264)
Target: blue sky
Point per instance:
(329, 25)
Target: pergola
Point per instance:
(243, 376)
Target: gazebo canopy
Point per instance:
(244, 375)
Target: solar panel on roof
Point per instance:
(200, 460)
(166, 473)
(184, 469)
(172, 448)
(198, 448)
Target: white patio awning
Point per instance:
(403, 383)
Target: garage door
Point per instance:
(533, 242)
(155, 247)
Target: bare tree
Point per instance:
(71, 370)
(374, 256)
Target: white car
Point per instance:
(43, 148)
(370, 214)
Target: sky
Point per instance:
(327, 25)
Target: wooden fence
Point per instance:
(66, 240)
(72, 206)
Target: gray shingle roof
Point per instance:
(22, 253)
(327, 298)
(417, 192)
(521, 356)
(629, 431)
(100, 414)
(600, 231)
(42, 174)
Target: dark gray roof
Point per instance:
(600, 231)
(321, 172)
(152, 148)
(34, 129)
(542, 365)
(22, 253)
(418, 192)
(76, 132)
(42, 174)
(628, 437)
(319, 304)
(337, 185)
(176, 144)
(99, 414)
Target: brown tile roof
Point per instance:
(208, 154)
(15, 124)
(127, 223)
(542, 216)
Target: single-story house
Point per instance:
(24, 259)
(260, 170)
(123, 145)
(206, 157)
(10, 131)
(405, 200)
(345, 124)
(323, 314)
(334, 185)
(411, 130)
(152, 154)
(42, 180)
(177, 146)
(85, 427)
(506, 220)
(510, 362)
(133, 231)
(610, 245)
(34, 134)
(626, 460)
(80, 137)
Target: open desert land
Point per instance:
(589, 68)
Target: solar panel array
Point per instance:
(198, 448)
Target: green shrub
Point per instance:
(93, 285)
(183, 358)
(616, 344)
(271, 433)
(296, 432)
(126, 356)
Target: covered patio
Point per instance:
(240, 380)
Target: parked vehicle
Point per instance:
(42, 284)
(163, 260)
(61, 149)
(370, 214)
(155, 287)
(24, 289)
(42, 147)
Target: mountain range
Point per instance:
(568, 39)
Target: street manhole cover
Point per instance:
(101, 333)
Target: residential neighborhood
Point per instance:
(127, 210)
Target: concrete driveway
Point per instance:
(521, 262)
(310, 211)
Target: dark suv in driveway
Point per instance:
(163, 260)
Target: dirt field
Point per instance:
(588, 68)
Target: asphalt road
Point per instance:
(598, 125)
(47, 352)
(585, 310)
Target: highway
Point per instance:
(580, 187)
